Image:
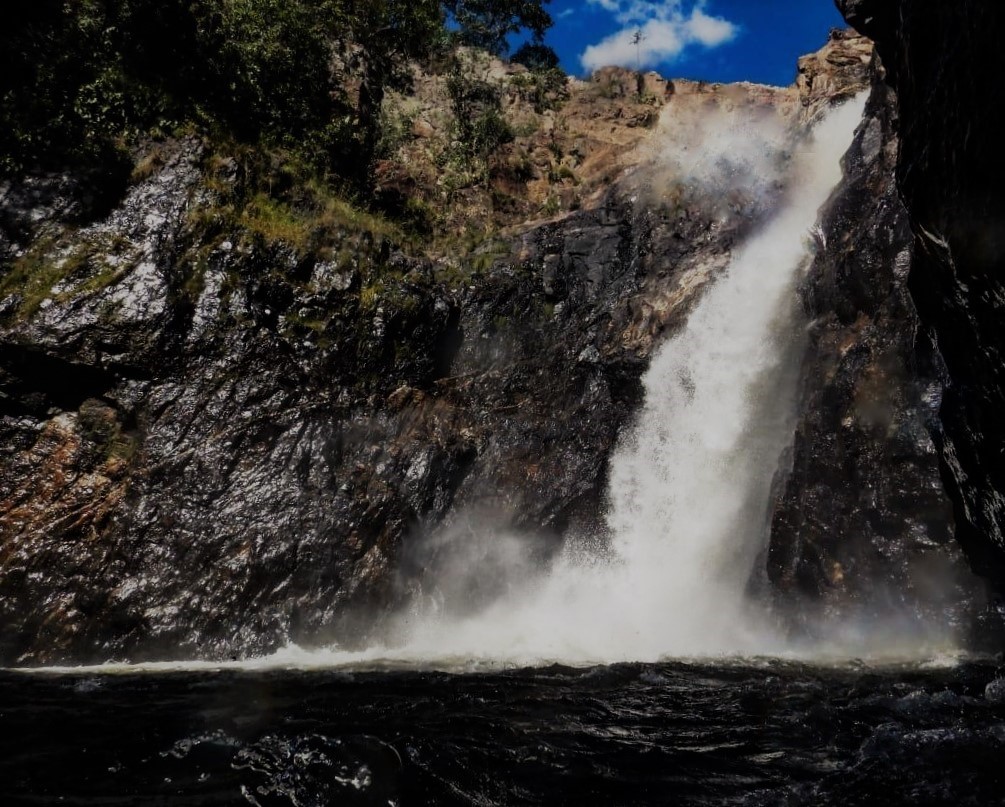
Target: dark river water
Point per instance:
(751, 733)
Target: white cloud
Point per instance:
(667, 30)
(710, 31)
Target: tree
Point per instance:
(375, 40)
(637, 39)
(477, 104)
(487, 23)
(536, 56)
(80, 78)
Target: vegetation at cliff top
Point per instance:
(83, 80)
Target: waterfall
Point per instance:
(689, 483)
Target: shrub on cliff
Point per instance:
(481, 127)
(80, 78)
(487, 23)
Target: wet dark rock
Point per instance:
(995, 691)
(862, 529)
(942, 60)
(31, 206)
(213, 446)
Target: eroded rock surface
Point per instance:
(863, 532)
(942, 60)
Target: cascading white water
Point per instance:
(690, 486)
(689, 482)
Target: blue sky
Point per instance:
(714, 40)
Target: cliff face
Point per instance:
(215, 473)
(220, 435)
(862, 530)
(216, 442)
(942, 59)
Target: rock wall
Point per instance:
(942, 60)
(862, 531)
(212, 446)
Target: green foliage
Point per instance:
(417, 217)
(267, 65)
(537, 57)
(546, 85)
(561, 173)
(46, 271)
(552, 206)
(545, 89)
(487, 23)
(477, 106)
(83, 81)
(55, 78)
(395, 130)
(80, 78)
(309, 217)
(31, 277)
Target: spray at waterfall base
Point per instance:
(690, 482)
